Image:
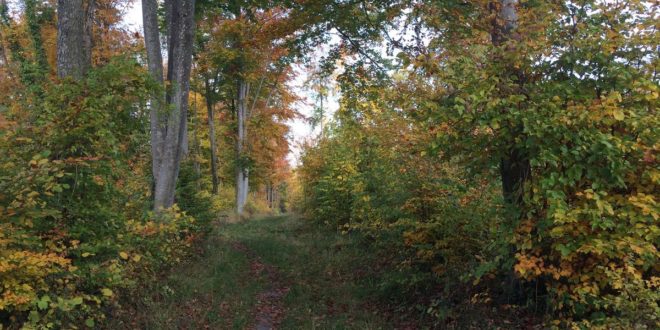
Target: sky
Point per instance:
(299, 128)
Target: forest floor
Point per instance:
(271, 273)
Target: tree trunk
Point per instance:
(273, 193)
(155, 64)
(34, 27)
(169, 118)
(515, 170)
(214, 156)
(181, 33)
(72, 52)
(514, 166)
(4, 24)
(242, 172)
(88, 30)
(196, 145)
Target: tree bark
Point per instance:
(211, 123)
(89, 6)
(515, 168)
(242, 172)
(72, 51)
(169, 118)
(155, 65)
(4, 24)
(196, 144)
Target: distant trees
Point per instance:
(244, 52)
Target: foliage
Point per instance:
(73, 227)
(501, 162)
(373, 173)
(573, 93)
(250, 42)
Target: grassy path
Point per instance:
(274, 272)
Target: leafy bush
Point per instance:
(256, 206)
(442, 231)
(586, 223)
(74, 230)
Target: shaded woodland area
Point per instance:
(491, 164)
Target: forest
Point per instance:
(467, 164)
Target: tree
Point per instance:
(34, 27)
(4, 23)
(74, 40)
(242, 170)
(210, 104)
(514, 165)
(169, 113)
(244, 51)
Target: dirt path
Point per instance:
(266, 273)
(269, 310)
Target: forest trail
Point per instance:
(269, 273)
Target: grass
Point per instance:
(330, 277)
(326, 272)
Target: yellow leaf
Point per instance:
(137, 258)
(123, 255)
(636, 249)
(106, 292)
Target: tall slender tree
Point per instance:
(210, 104)
(169, 112)
(242, 170)
(4, 23)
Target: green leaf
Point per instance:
(43, 302)
(564, 250)
(618, 114)
(34, 316)
(77, 300)
(106, 292)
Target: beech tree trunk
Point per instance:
(211, 123)
(89, 6)
(242, 172)
(515, 168)
(514, 165)
(4, 24)
(196, 145)
(169, 114)
(74, 23)
(155, 65)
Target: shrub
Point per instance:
(74, 228)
